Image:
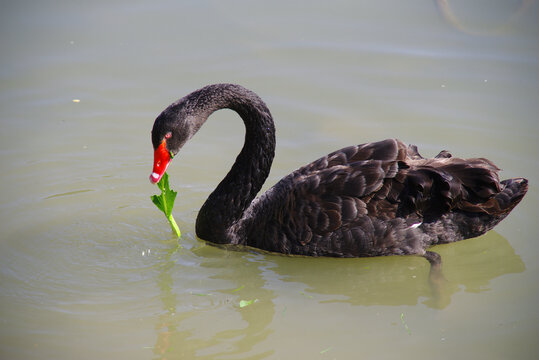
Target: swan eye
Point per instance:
(168, 135)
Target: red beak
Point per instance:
(161, 159)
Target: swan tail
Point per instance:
(496, 208)
(513, 190)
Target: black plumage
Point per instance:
(380, 198)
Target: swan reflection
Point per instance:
(188, 328)
(469, 266)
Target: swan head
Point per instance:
(171, 130)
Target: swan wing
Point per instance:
(369, 199)
(326, 196)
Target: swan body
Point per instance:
(380, 198)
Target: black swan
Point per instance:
(379, 198)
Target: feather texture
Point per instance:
(379, 198)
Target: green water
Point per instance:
(88, 266)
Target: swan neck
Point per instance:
(228, 202)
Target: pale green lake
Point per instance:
(89, 268)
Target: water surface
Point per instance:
(89, 268)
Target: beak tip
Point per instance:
(154, 178)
